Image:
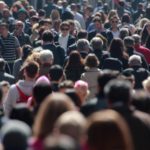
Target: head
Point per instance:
(123, 33)
(116, 48)
(75, 59)
(52, 107)
(30, 70)
(56, 73)
(65, 28)
(114, 20)
(96, 43)
(72, 123)
(41, 90)
(19, 26)
(125, 18)
(83, 45)
(21, 112)
(46, 57)
(118, 92)
(137, 39)
(128, 42)
(22, 14)
(4, 29)
(47, 36)
(108, 130)
(82, 89)
(97, 22)
(60, 142)
(26, 51)
(91, 61)
(12, 131)
(135, 60)
(82, 34)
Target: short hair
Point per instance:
(96, 43)
(47, 36)
(118, 91)
(135, 60)
(128, 41)
(46, 56)
(31, 68)
(83, 45)
(56, 72)
(97, 19)
(137, 38)
(123, 33)
(82, 34)
(64, 23)
(91, 60)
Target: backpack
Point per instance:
(22, 97)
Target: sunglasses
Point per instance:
(114, 21)
(65, 29)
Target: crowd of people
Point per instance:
(74, 75)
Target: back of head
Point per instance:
(128, 42)
(83, 45)
(107, 130)
(41, 89)
(118, 92)
(46, 57)
(82, 34)
(47, 36)
(21, 112)
(59, 142)
(31, 69)
(72, 123)
(137, 38)
(135, 60)
(56, 73)
(52, 107)
(96, 43)
(13, 131)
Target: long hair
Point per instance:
(117, 48)
(75, 60)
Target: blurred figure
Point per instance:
(107, 130)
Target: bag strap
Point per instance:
(23, 97)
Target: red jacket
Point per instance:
(143, 50)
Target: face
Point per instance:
(19, 27)
(3, 30)
(114, 22)
(64, 30)
(98, 25)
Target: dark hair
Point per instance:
(104, 78)
(56, 72)
(31, 68)
(118, 91)
(47, 36)
(116, 48)
(22, 113)
(82, 34)
(26, 49)
(125, 18)
(74, 60)
(41, 12)
(40, 91)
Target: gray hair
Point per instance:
(46, 56)
(96, 43)
(137, 38)
(135, 60)
(83, 45)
